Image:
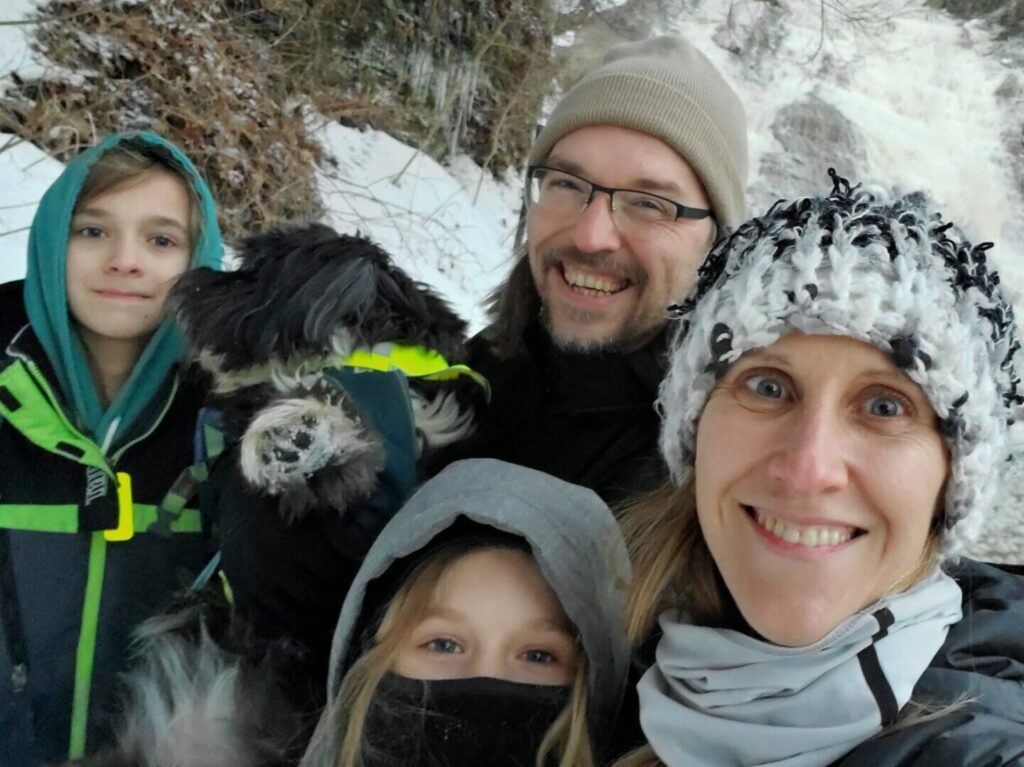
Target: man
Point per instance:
(641, 166)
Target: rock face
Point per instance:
(814, 136)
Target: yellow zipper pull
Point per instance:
(125, 511)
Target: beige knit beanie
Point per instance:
(668, 89)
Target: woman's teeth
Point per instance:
(810, 535)
(591, 282)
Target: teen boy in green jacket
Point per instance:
(96, 423)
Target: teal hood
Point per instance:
(46, 300)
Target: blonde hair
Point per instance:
(568, 738)
(126, 164)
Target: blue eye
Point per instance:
(766, 386)
(443, 646)
(884, 406)
(538, 656)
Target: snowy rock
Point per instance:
(813, 136)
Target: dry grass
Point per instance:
(184, 70)
(237, 82)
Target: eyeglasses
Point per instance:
(567, 194)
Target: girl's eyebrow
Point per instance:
(549, 624)
(445, 613)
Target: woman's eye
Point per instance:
(885, 406)
(538, 656)
(443, 646)
(162, 242)
(89, 231)
(766, 386)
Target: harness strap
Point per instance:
(414, 361)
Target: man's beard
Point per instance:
(627, 339)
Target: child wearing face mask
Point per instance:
(483, 628)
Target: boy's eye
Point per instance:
(162, 242)
(766, 386)
(444, 646)
(538, 656)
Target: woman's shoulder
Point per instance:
(978, 673)
(987, 642)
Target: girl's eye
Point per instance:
(766, 386)
(538, 656)
(89, 231)
(885, 406)
(444, 646)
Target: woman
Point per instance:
(840, 415)
(95, 426)
(483, 628)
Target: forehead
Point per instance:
(506, 579)
(158, 192)
(613, 155)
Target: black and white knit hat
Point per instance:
(889, 272)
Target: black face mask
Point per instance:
(458, 722)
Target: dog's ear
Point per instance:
(417, 316)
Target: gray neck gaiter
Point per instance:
(720, 697)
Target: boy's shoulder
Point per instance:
(12, 311)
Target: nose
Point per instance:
(488, 662)
(595, 231)
(124, 257)
(813, 453)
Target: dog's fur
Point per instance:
(194, 701)
(301, 299)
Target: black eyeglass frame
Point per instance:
(682, 211)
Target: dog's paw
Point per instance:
(308, 452)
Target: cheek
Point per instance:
(538, 227)
(910, 506)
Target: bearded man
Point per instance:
(641, 166)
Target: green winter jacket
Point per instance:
(84, 554)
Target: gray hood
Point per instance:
(574, 539)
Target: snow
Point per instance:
(449, 227)
(919, 85)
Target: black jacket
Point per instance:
(981, 662)
(55, 504)
(585, 418)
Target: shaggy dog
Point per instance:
(302, 300)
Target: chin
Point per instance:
(581, 337)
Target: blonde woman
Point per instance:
(483, 628)
(841, 414)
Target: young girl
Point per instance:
(483, 628)
(95, 426)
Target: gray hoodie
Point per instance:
(573, 537)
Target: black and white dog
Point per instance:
(301, 301)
